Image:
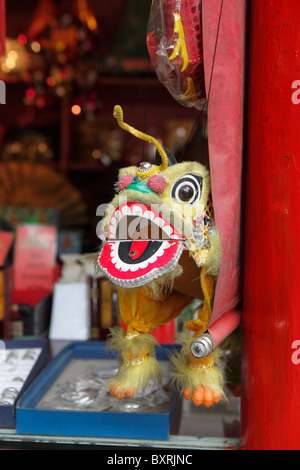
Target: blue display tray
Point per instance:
(30, 419)
(7, 412)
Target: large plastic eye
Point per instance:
(186, 193)
(187, 189)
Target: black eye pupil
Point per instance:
(185, 193)
(187, 189)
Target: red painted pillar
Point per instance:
(270, 415)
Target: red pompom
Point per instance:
(124, 181)
(157, 183)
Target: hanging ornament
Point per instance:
(175, 46)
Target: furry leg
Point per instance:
(139, 371)
(199, 379)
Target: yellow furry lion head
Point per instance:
(160, 213)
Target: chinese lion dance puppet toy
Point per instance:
(161, 249)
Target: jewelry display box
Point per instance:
(70, 397)
(20, 363)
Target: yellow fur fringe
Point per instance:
(138, 366)
(189, 373)
(118, 340)
(163, 285)
(137, 377)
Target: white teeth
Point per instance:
(163, 247)
(149, 215)
(144, 264)
(126, 210)
(112, 231)
(114, 259)
(124, 267)
(113, 221)
(118, 214)
(168, 230)
(134, 267)
(137, 210)
(141, 280)
(159, 222)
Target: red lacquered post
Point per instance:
(271, 317)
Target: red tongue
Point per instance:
(137, 248)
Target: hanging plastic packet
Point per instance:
(174, 42)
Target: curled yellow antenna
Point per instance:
(118, 115)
